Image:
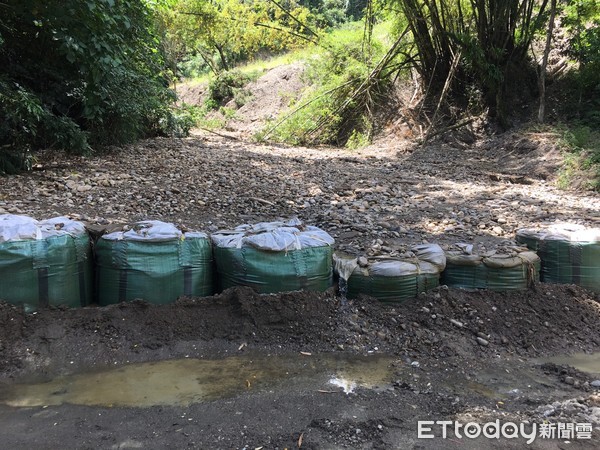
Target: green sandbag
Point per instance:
(586, 264)
(274, 257)
(394, 280)
(497, 273)
(154, 262)
(569, 253)
(46, 263)
(308, 269)
(393, 289)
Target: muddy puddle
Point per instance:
(182, 382)
(185, 381)
(589, 363)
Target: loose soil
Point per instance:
(441, 371)
(458, 355)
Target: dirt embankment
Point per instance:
(443, 324)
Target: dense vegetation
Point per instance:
(75, 74)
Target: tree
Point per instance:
(492, 36)
(78, 72)
(542, 77)
(234, 30)
(582, 20)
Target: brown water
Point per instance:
(589, 363)
(185, 381)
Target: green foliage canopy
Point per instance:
(78, 72)
(233, 30)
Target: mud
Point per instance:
(434, 369)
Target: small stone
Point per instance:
(426, 310)
(482, 342)
(595, 383)
(415, 364)
(457, 323)
(363, 261)
(569, 380)
(498, 230)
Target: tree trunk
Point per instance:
(224, 63)
(542, 78)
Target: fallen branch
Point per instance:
(450, 128)
(261, 200)
(233, 138)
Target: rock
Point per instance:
(457, 323)
(569, 380)
(363, 261)
(498, 230)
(595, 383)
(482, 342)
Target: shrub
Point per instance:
(345, 89)
(77, 73)
(225, 86)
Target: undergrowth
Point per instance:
(229, 85)
(581, 148)
(346, 81)
(194, 116)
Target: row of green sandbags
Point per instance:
(570, 253)
(158, 263)
(393, 280)
(50, 262)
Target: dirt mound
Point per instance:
(266, 98)
(440, 324)
(270, 95)
(191, 93)
(448, 345)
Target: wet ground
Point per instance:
(299, 370)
